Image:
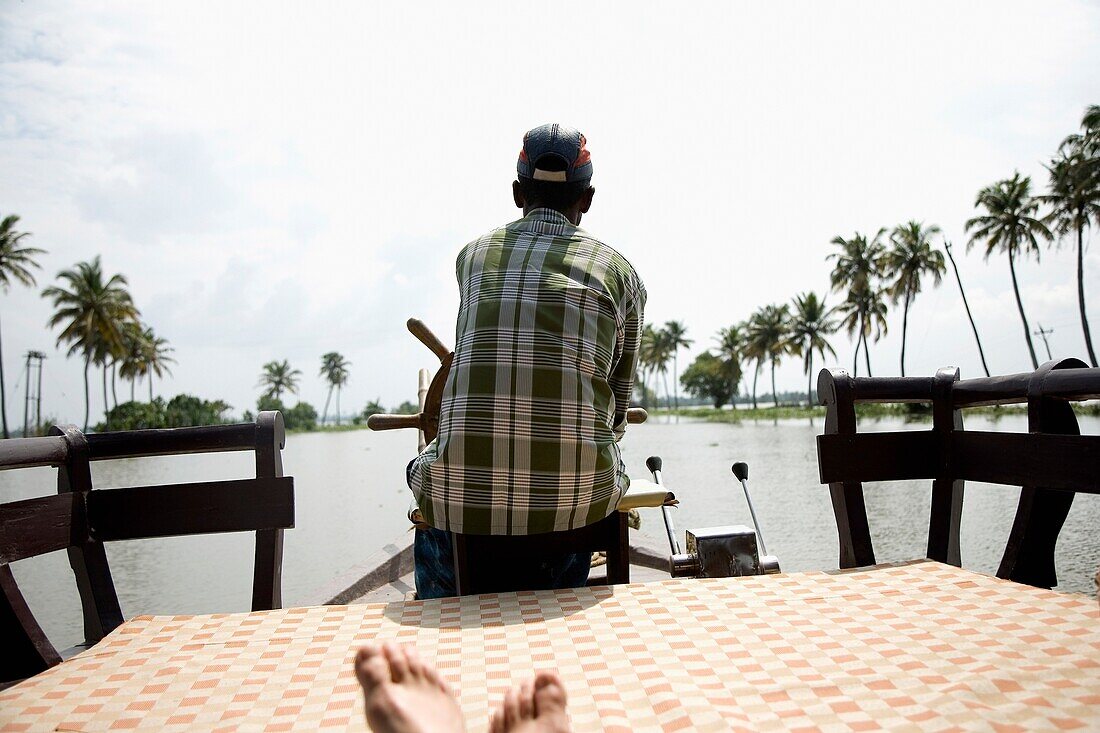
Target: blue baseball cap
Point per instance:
(564, 145)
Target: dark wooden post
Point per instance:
(618, 549)
(267, 580)
(1029, 554)
(834, 390)
(947, 490)
(98, 598)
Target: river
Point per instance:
(351, 500)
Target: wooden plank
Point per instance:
(1062, 462)
(34, 527)
(267, 571)
(184, 509)
(172, 441)
(31, 452)
(891, 389)
(906, 454)
(945, 517)
(27, 651)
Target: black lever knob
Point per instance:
(653, 463)
(741, 471)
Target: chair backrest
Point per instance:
(1050, 462)
(473, 554)
(80, 518)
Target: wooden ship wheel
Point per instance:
(430, 393)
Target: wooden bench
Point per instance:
(1051, 462)
(80, 518)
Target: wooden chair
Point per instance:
(474, 572)
(80, 518)
(1051, 462)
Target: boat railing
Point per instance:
(80, 518)
(1050, 462)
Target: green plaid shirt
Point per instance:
(545, 353)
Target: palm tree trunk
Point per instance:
(668, 395)
(3, 396)
(1080, 294)
(87, 391)
(810, 381)
(775, 395)
(867, 355)
(337, 405)
(324, 413)
(150, 388)
(675, 384)
(855, 356)
(904, 328)
(966, 305)
(1020, 305)
(755, 374)
(106, 404)
(114, 394)
(133, 382)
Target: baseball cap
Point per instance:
(561, 144)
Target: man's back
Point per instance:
(546, 349)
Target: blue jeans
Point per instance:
(435, 572)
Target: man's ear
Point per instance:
(586, 199)
(517, 195)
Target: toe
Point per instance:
(371, 668)
(527, 700)
(549, 693)
(399, 664)
(415, 664)
(511, 708)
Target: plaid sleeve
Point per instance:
(622, 374)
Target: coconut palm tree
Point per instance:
(16, 262)
(1074, 201)
(731, 344)
(810, 324)
(767, 337)
(155, 351)
(278, 377)
(1009, 226)
(864, 311)
(92, 311)
(132, 363)
(857, 270)
(334, 368)
(911, 256)
(973, 327)
(675, 339)
(648, 357)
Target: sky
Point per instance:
(280, 180)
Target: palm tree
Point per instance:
(675, 339)
(858, 268)
(973, 327)
(155, 352)
(864, 313)
(1074, 201)
(731, 344)
(648, 357)
(810, 325)
(1011, 227)
(334, 368)
(768, 330)
(911, 257)
(278, 377)
(133, 363)
(16, 262)
(92, 312)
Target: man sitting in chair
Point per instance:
(546, 349)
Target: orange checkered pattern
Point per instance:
(920, 645)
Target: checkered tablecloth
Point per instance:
(917, 646)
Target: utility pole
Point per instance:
(33, 393)
(1044, 334)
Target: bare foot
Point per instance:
(536, 706)
(402, 694)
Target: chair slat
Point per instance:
(183, 509)
(877, 456)
(33, 527)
